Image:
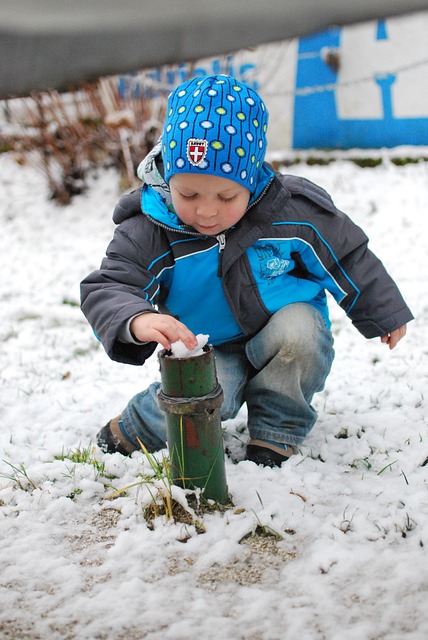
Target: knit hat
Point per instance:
(215, 125)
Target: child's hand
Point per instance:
(394, 337)
(158, 327)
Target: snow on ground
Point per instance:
(351, 508)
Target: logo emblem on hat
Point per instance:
(196, 151)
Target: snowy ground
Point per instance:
(351, 508)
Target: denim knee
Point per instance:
(292, 332)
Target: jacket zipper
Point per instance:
(221, 238)
(221, 245)
(168, 228)
(195, 233)
(253, 204)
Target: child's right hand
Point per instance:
(158, 327)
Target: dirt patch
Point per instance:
(265, 557)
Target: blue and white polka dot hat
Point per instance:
(215, 125)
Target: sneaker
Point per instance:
(111, 440)
(267, 453)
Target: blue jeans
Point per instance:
(276, 373)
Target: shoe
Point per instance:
(268, 454)
(111, 440)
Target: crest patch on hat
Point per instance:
(196, 151)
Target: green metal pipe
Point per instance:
(191, 397)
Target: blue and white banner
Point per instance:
(378, 96)
(360, 86)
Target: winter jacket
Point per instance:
(292, 245)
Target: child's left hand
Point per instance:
(394, 337)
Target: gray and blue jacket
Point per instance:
(292, 245)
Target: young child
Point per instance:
(218, 243)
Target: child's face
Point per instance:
(209, 204)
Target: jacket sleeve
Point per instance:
(338, 257)
(357, 278)
(376, 307)
(122, 288)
